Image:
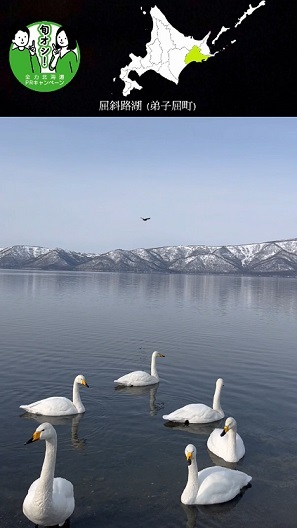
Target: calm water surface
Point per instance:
(127, 467)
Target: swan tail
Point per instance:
(26, 408)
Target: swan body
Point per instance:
(58, 405)
(226, 443)
(139, 378)
(198, 412)
(212, 485)
(49, 501)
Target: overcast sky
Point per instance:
(83, 184)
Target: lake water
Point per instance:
(127, 467)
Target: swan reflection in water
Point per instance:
(73, 420)
(155, 407)
(194, 428)
(218, 461)
(201, 515)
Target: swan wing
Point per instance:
(63, 498)
(217, 444)
(194, 413)
(54, 406)
(240, 448)
(137, 378)
(63, 487)
(218, 484)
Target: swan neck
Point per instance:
(154, 368)
(45, 485)
(216, 405)
(190, 492)
(76, 398)
(232, 443)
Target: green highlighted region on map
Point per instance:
(195, 55)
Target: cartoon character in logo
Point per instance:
(23, 58)
(44, 56)
(64, 58)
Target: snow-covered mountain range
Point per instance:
(277, 257)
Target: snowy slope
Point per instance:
(274, 257)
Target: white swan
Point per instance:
(212, 485)
(140, 378)
(49, 501)
(198, 412)
(230, 447)
(58, 405)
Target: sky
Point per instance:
(82, 184)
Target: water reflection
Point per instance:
(218, 461)
(194, 428)
(191, 514)
(201, 516)
(151, 390)
(199, 290)
(243, 329)
(72, 421)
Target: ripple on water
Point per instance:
(127, 465)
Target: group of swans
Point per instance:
(50, 500)
(215, 484)
(231, 448)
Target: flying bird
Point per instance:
(144, 219)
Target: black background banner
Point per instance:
(253, 77)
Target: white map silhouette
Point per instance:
(169, 51)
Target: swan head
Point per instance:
(219, 383)
(81, 380)
(230, 423)
(44, 431)
(190, 453)
(157, 354)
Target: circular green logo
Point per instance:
(44, 56)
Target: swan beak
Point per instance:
(225, 430)
(84, 383)
(161, 355)
(189, 458)
(36, 436)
